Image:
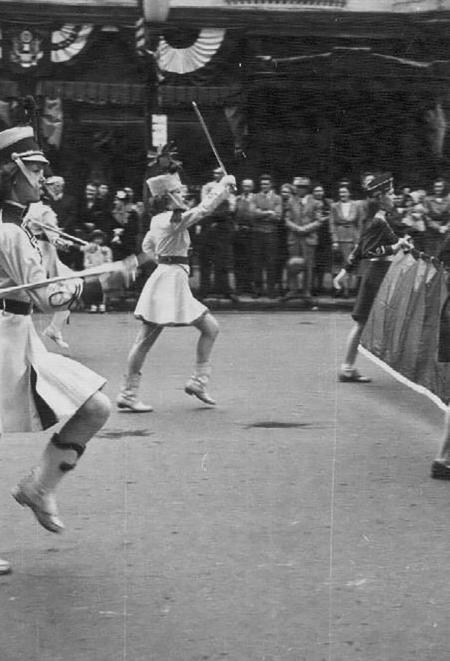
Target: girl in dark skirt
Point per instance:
(376, 246)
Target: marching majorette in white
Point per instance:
(38, 387)
(166, 299)
(38, 220)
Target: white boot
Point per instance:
(5, 567)
(127, 400)
(197, 384)
(36, 490)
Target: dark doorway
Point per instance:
(339, 128)
(104, 147)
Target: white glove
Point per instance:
(229, 180)
(338, 279)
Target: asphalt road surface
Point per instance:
(296, 521)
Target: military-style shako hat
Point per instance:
(378, 183)
(19, 143)
(163, 184)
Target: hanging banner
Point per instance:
(28, 49)
(69, 41)
(193, 57)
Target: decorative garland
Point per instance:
(196, 56)
(68, 41)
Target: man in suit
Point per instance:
(215, 244)
(242, 240)
(267, 217)
(303, 222)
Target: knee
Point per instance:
(97, 408)
(211, 327)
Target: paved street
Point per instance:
(294, 522)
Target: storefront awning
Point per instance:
(93, 92)
(351, 62)
(180, 95)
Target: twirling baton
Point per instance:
(69, 237)
(208, 136)
(125, 266)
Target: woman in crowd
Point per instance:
(345, 228)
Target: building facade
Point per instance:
(326, 87)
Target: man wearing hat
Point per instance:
(37, 387)
(376, 246)
(302, 223)
(166, 299)
(267, 217)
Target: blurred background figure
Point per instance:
(242, 239)
(125, 226)
(267, 218)
(215, 250)
(286, 194)
(96, 254)
(345, 226)
(323, 253)
(437, 207)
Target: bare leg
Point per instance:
(61, 455)
(348, 372)
(127, 400)
(353, 340)
(87, 420)
(209, 329)
(145, 339)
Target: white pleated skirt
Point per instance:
(166, 298)
(37, 387)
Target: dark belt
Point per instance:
(15, 307)
(172, 259)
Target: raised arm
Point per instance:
(215, 196)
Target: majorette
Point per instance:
(37, 387)
(166, 299)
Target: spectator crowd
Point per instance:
(263, 242)
(292, 242)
